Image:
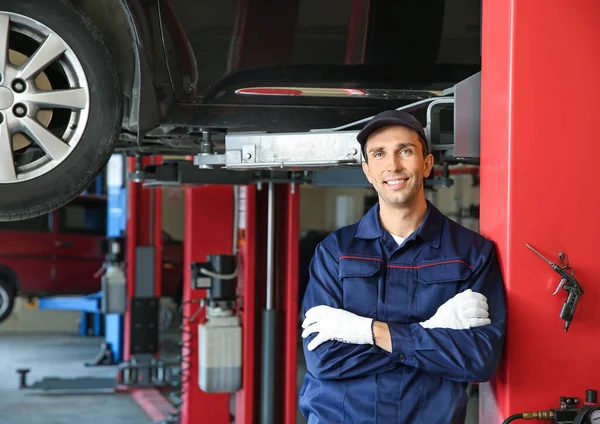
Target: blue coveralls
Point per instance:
(361, 269)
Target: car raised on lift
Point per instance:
(81, 79)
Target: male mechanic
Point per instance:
(405, 307)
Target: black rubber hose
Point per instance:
(512, 418)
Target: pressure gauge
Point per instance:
(595, 417)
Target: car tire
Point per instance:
(7, 299)
(90, 142)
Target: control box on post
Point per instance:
(114, 285)
(220, 336)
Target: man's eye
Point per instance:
(406, 151)
(377, 155)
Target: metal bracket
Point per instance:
(438, 142)
(149, 372)
(289, 151)
(144, 320)
(184, 172)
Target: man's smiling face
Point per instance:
(395, 165)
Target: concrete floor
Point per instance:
(51, 355)
(55, 355)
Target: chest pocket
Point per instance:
(360, 279)
(438, 282)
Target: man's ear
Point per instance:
(428, 165)
(367, 171)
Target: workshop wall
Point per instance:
(173, 212)
(460, 202)
(327, 209)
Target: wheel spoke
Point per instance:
(4, 29)
(8, 173)
(43, 56)
(52, 145)
(71, 99)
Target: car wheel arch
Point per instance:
(117, 24)
(110, 17)
(9, 275)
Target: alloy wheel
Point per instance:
(44, 99)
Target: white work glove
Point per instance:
(465, 310)
(336, 324)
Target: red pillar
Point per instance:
(208, 231)
(245, 399)
(251, 284)
(139, 229)
(158, 239)
(538, 186)
(144, 229)
(292, 224)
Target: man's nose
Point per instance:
(395, 164)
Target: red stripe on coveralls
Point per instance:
(433, 264)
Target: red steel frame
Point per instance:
(208, 231)
(144, 203)
(538, 186)
(139, 206)
(244, 399)
(291, 304)
(212, 228)
(158, 239)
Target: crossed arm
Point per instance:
(468, 355)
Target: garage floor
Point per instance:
(52, 355)
(63, 356)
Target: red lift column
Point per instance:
(252, 287)
(292, 226)
(144, 227)
(539, 153)
(245, 404)
(208, 231)
(144, 286)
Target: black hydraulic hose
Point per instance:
(513, 418)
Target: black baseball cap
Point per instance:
(392, 117)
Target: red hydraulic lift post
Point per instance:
(208, 231)
(292, 225)
(279, 351)
(539, 154)
(254, 207)
(138, 234)
(158, 238)
(144, 229)
(245, 398)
